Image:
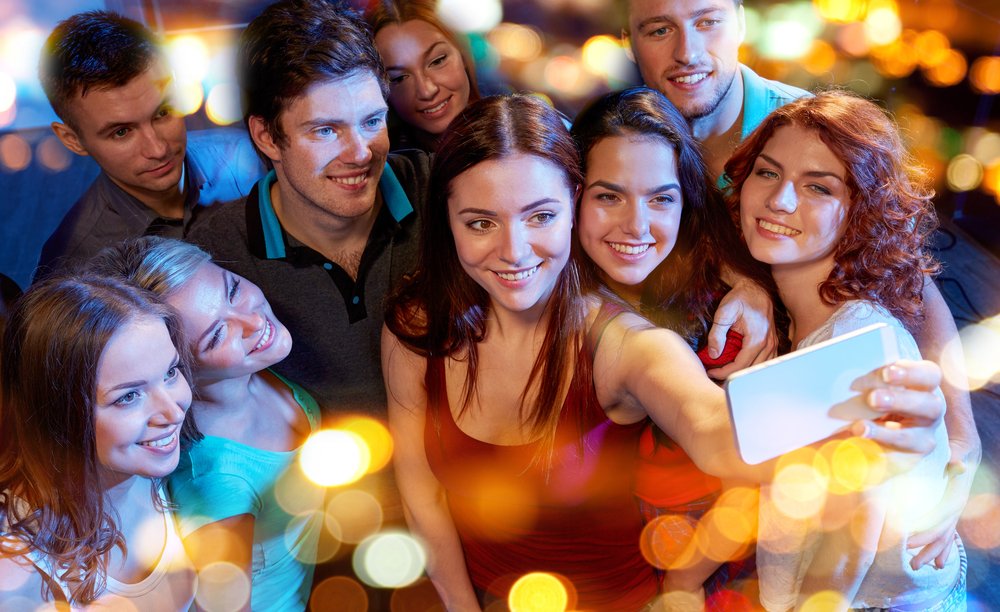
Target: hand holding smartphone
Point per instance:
(805, 396)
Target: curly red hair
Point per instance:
(883, 256)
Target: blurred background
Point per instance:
(935, 64)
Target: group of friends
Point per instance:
(536, 310)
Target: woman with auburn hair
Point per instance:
(828, 198)
(253, 422)
(94, 398)
(517, 393)
(432, 77)
(656, 231)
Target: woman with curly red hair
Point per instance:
(827, 196)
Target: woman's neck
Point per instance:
(798, 286)
(226, 394)
(630, 293)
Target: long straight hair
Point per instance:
(440, 311)
(51, 497)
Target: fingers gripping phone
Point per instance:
(805, 396)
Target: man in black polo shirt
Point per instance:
(108, 80)
(331, 229)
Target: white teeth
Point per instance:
(691, 78)
(628, 249)
(434, 109)
(507, 276)
(161, 442)
(351, 180)
(268, 329)
(778, 229)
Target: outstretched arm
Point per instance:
(424, 500)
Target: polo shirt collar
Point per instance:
(393, 195)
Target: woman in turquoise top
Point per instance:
(254, 422)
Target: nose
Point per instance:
(249, 321)
(426, 88)
(170, 402)
(784, 198)
(357, 149)
(154, 145)
(688, 47)
(514, 247)
(636, 221)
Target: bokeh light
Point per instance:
(841, 11)
(991, 179)
(882, 25)
(375, 435)
(980, 520)
(964, 173)
(465, 16)
(932, 48)
(187, 97)
(223, 104)
(390, 559)
(421, 596)
(338, 594)
(820, 58)
(538, 592)
(357, 515)
(950, 71)
(895, 60)
(855, 464)
(20, 46)
(981, 346)
(15, 152)
(824, 601)
(334, 457)
(800, 484)
(52, 154)
(605, 56)
(222, 586)
(985, 75)
(516, 42)
(299, 525)
(188, 56)
(789, 31)
(984, 146)
(565, 75)
(664, 538)
(7, 117)
(851, 39)
(8, 91)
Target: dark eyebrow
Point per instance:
(114, 127)
(814, 173)
(492, 213)
(663, 187)
(126, 385)
(620, 189)
(650, 20)
(427, 53)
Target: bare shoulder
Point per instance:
(20, 583)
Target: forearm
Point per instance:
(432, 523)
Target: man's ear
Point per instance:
(741, 17)
(627, 45)
(68, 137)
(261, 137)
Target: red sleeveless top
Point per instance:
(514, 515)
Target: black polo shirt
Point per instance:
(335, 322)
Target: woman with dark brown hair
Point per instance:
(516, 393)
(829, 199)
(93, 403)
(432, 77)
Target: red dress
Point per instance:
(577, 518)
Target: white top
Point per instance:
(786, 546)
(169, 587)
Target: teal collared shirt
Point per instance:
(393, 196)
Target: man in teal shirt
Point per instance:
(689, 51)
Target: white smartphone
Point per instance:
(805, 396)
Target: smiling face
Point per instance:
(512, 220)
(133, 134)
(335, 149)
(631, 209)
(428, 85)
(794, 203)
(230, 326)
(689, 51)
(141, 401)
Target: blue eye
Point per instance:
(374, 122)
(127, 399)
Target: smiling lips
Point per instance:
(512, 277)
(437, 108)
(689, 79)
(163, 442)
(265, 337)
(774, 228)
(629, 249)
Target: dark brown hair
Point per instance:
(883, 256)
(51, 498)
(683, 291)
